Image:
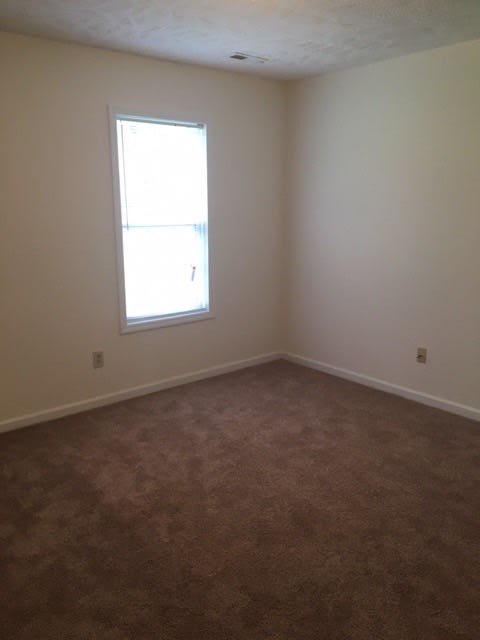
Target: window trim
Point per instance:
(155, 322)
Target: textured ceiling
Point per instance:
(298, 37)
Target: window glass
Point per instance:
(163, 220)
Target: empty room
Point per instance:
(240, 320)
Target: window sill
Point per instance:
(148, 324)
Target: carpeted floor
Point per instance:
(274, 503)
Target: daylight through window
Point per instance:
(163, 220)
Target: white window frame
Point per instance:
(155, 322)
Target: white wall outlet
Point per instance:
(97, 359)
(421, 355)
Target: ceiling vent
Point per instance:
(248, 56)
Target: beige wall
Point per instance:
(58, 289)
(378, 255)
(385, 221)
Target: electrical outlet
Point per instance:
(97, 359)
(421, 355)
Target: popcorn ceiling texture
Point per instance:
(299, 37)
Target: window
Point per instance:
(160, 172)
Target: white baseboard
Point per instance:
(405, 392)
(166, 383)
(132, 392)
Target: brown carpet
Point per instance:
(272, 503)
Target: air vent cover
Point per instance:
(238, 55)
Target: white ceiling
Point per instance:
(297, 37)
